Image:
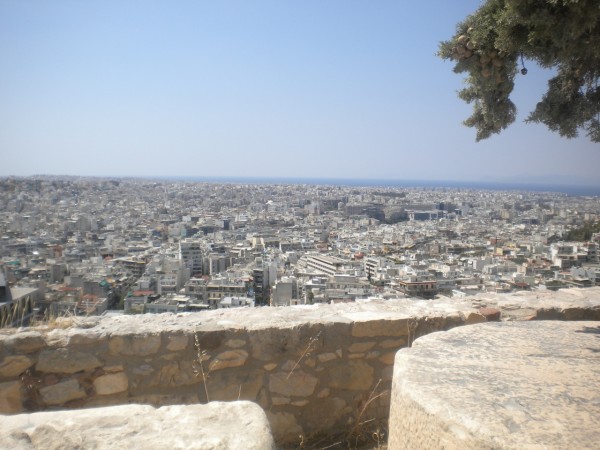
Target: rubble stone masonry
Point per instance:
(315, 370)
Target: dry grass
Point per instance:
(306, 353)
(198, 365)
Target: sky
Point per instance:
(304, 89)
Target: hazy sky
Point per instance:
(336, 88)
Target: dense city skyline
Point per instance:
(337, 90)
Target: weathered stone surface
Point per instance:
(15, 365)
(392, 343)
(289, 365)
(285, 427)
(361, 347)
(64, 360)
(143, 370)
(200, 427)
(300, 403)
(499, 385)
(372, 324)
(387, 358)
(275, 342)
(324, 415)
(10, 398)
(474, 317)
(234, 385)
(310, 362)
(274, 336)
(324, 393)
(62, 392)
(493, 314)
(229, 358)
(352, 375)
(25, 342)
(113, 369)
(298, 383)
(177, 342)
(235, 343)
(325, 357)
(278, 401)
(138, 345)
(111, 384)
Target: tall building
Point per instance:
(191, 253)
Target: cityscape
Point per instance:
(79, 246)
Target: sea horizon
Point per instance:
(558, 187)
(568, 189)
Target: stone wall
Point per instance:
(316, 370)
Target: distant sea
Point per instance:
(573, 190)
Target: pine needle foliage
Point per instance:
(493, 45)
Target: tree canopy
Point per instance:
(493, 45)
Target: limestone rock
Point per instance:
(25, 342)
(354, 375)
(177, 342)
(234, 385)
(229, 358)
(493, 314)
(135, 345)
(15, 365)
(214, 426)
(10, 398)
(361, 347)
(325, 357)
(474, 317)
(298, 383)
(499, 385)
(373, 324)
(111, 383)
(285, 427)
(387, 358)
(63, 360)
(62, 392)
(235, 343)
(392, 343)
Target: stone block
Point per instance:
(493, 314)
(297, 384)
(234, 385)
(15, 365)
(201, 427)
(229, 358)
(62, 392)
(474, 317)
(65, 360)
(111, 384)
(10, 398)
(374, 324)
(285, 427)
(388, 358)
(135, 345)
(278, 401)
(325, 357)
(355, 375)
(177, 342)
(504, 385)
(25, 342)
(392, 343)
(361, 347)
(235, 343)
